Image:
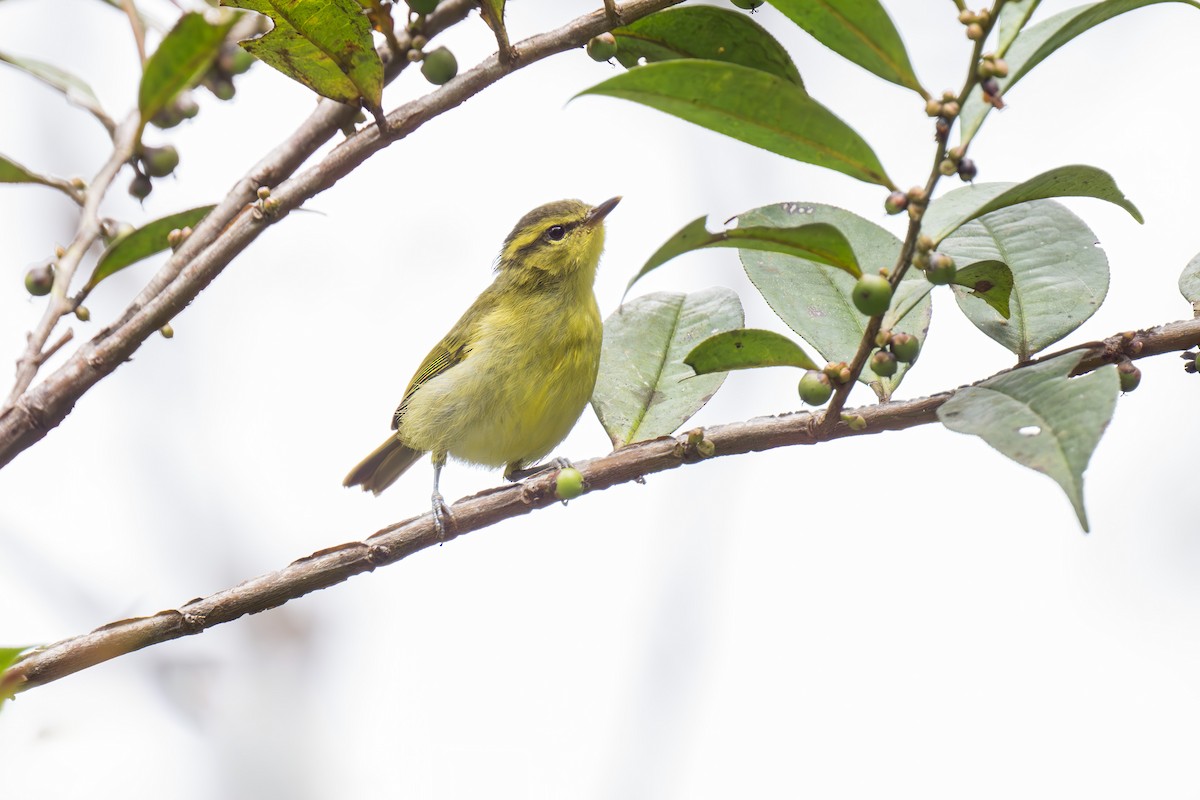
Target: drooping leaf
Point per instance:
(747, 348)
(1060, 276)
(949, 212)
(324, 44)
(183, 56)
(752, 106)
(717, 34)
(990, 281)
(814, 299)
(859, 30)
(1034, 44)
(142, 243)
(817, 242)
(76, 91)
(1040, 418)
(644, 390)
(1013, 16)
(1189, 280)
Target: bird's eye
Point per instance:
(555, 233)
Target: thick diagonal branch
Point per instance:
(337, 564)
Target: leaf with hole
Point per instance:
(752, 106)
(324, 44)
(859, 30)
(817, 242)
(949, 212)
(1060, 275)
(644, 390)
(1041, 418)
(813, 299)
(747, 348)
(142, 243)
(1034, 44)
(991, 281)
(182, 58)
(708, 32)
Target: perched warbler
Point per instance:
(510, 379)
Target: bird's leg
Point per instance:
(516, 472)
(441, 511)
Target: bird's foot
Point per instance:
(514, 472)
(441, 516)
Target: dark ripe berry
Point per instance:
(569, 484)
(140, 187)
(602, 47)
(815, 388)
(159, 162)
(1130, 376)
(895, 202)
(872, 294)
(990, 86)
(967, 170)
(883, 364)
(40, 279)
(749, 5)
(423, 6)
(941, 270)
(941, 128)
(439, 66)
(905, 347)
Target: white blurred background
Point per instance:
(908, 615)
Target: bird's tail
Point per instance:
(381, 469)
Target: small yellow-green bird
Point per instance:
(510, 379)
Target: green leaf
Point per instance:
(1013, 17)
(8, 656)
(143, 243)
(1060, 276)
(1040, 418)
(747, 348)
(12, 172)
(76, 91)
(324, 44)
(1189, 280)
(813, 299)
(990, 281)
(752, 106)
(1034, 44)
(859, 30)
(184, 55)
(949, 212)
(644, 390)
(708, 32)
(817, 242)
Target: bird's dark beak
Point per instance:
(601, 211)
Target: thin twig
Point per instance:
(339, 563)
(139, 31)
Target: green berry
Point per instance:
(140, 187)
(602, 47)
(815, 388)
(159, 162)
(423, 6)
(872, 294)
(167, 117)
(186, 106)
(569, 484)
(40, 279)
(883, 364)
(240, 62)
(167, 331)
(1129, 375)
(223, 89)
(82, 313)
(905, 347)
(439, 66)
(895, 202)
(748, 5)
(941, 269)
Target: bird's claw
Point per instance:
(441, 515)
